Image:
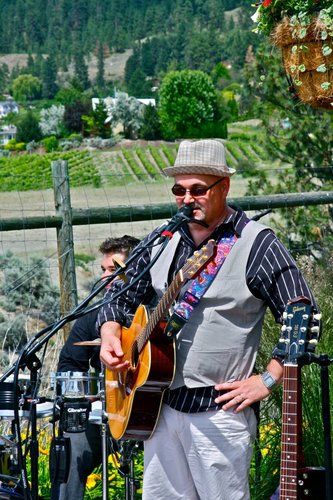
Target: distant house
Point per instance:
(9, 106)
(7, 132)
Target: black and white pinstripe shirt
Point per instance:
(271, 275)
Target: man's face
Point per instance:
(209, 207)
(107, 264)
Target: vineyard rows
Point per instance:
(119, 166)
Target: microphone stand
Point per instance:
(164, 234)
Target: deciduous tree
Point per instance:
(187, 100)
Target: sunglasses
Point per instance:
(194, 191)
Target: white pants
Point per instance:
(195, 456)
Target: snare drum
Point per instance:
(72, 385)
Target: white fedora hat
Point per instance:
(206, 157)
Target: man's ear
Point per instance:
(226, 184)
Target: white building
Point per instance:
(7, 132)
(9, 106)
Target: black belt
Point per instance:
(197, 399)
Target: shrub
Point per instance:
(50, 143)
(13, 145)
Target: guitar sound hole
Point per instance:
(135, 355)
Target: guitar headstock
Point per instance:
(199, 259)
(300, 330)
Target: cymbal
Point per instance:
(89, 342)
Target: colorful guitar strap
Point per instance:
(191, 298)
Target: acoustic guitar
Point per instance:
(134, 396)
(299, 335)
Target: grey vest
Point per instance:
(221, 339)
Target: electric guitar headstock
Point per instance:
(300, 330)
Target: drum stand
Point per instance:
(105, 438)
(128, 450)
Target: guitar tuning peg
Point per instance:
(313, 341)
(305, 316)
(290, 315)
(284, 315)
(314, 329)
(283, 328)
(282, 340)
(317, 316)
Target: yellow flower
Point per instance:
(43, 451)
(92, 480)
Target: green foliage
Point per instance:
(50, 143)
(33, 171)
(270, 15)
(151, 126)
(264, 475)
(24, 287)
(13, 334)
(26, 88)
(28, 128)
(94, 123)
(297, 135)
(80, 70)
(128, 155)
(49, 77)
(68, 96)
(149, 167)
(13, 145)
(187, 100)
(100, 80)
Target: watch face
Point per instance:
(268, 380)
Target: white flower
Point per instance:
(256, 16)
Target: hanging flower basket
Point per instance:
(307, 52)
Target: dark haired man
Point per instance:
(86, 451)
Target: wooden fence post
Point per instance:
(65, 241)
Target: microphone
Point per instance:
(183, 215)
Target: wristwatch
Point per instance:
(268, 380)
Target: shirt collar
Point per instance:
(236, 221)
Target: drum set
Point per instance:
(77, 400)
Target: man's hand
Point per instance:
(241, 393)
(111, 352)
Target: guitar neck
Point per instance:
(161, 310)
(291, 435)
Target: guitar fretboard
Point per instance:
(291, 431)
(161, 310)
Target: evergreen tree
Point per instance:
(138, 86)
(30, 65)
(49, 76)
(4, 78)
(151, 127)
(94, 123)
(81, 70)
(28, 128)
(100, 81)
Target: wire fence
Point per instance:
(29, 242)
